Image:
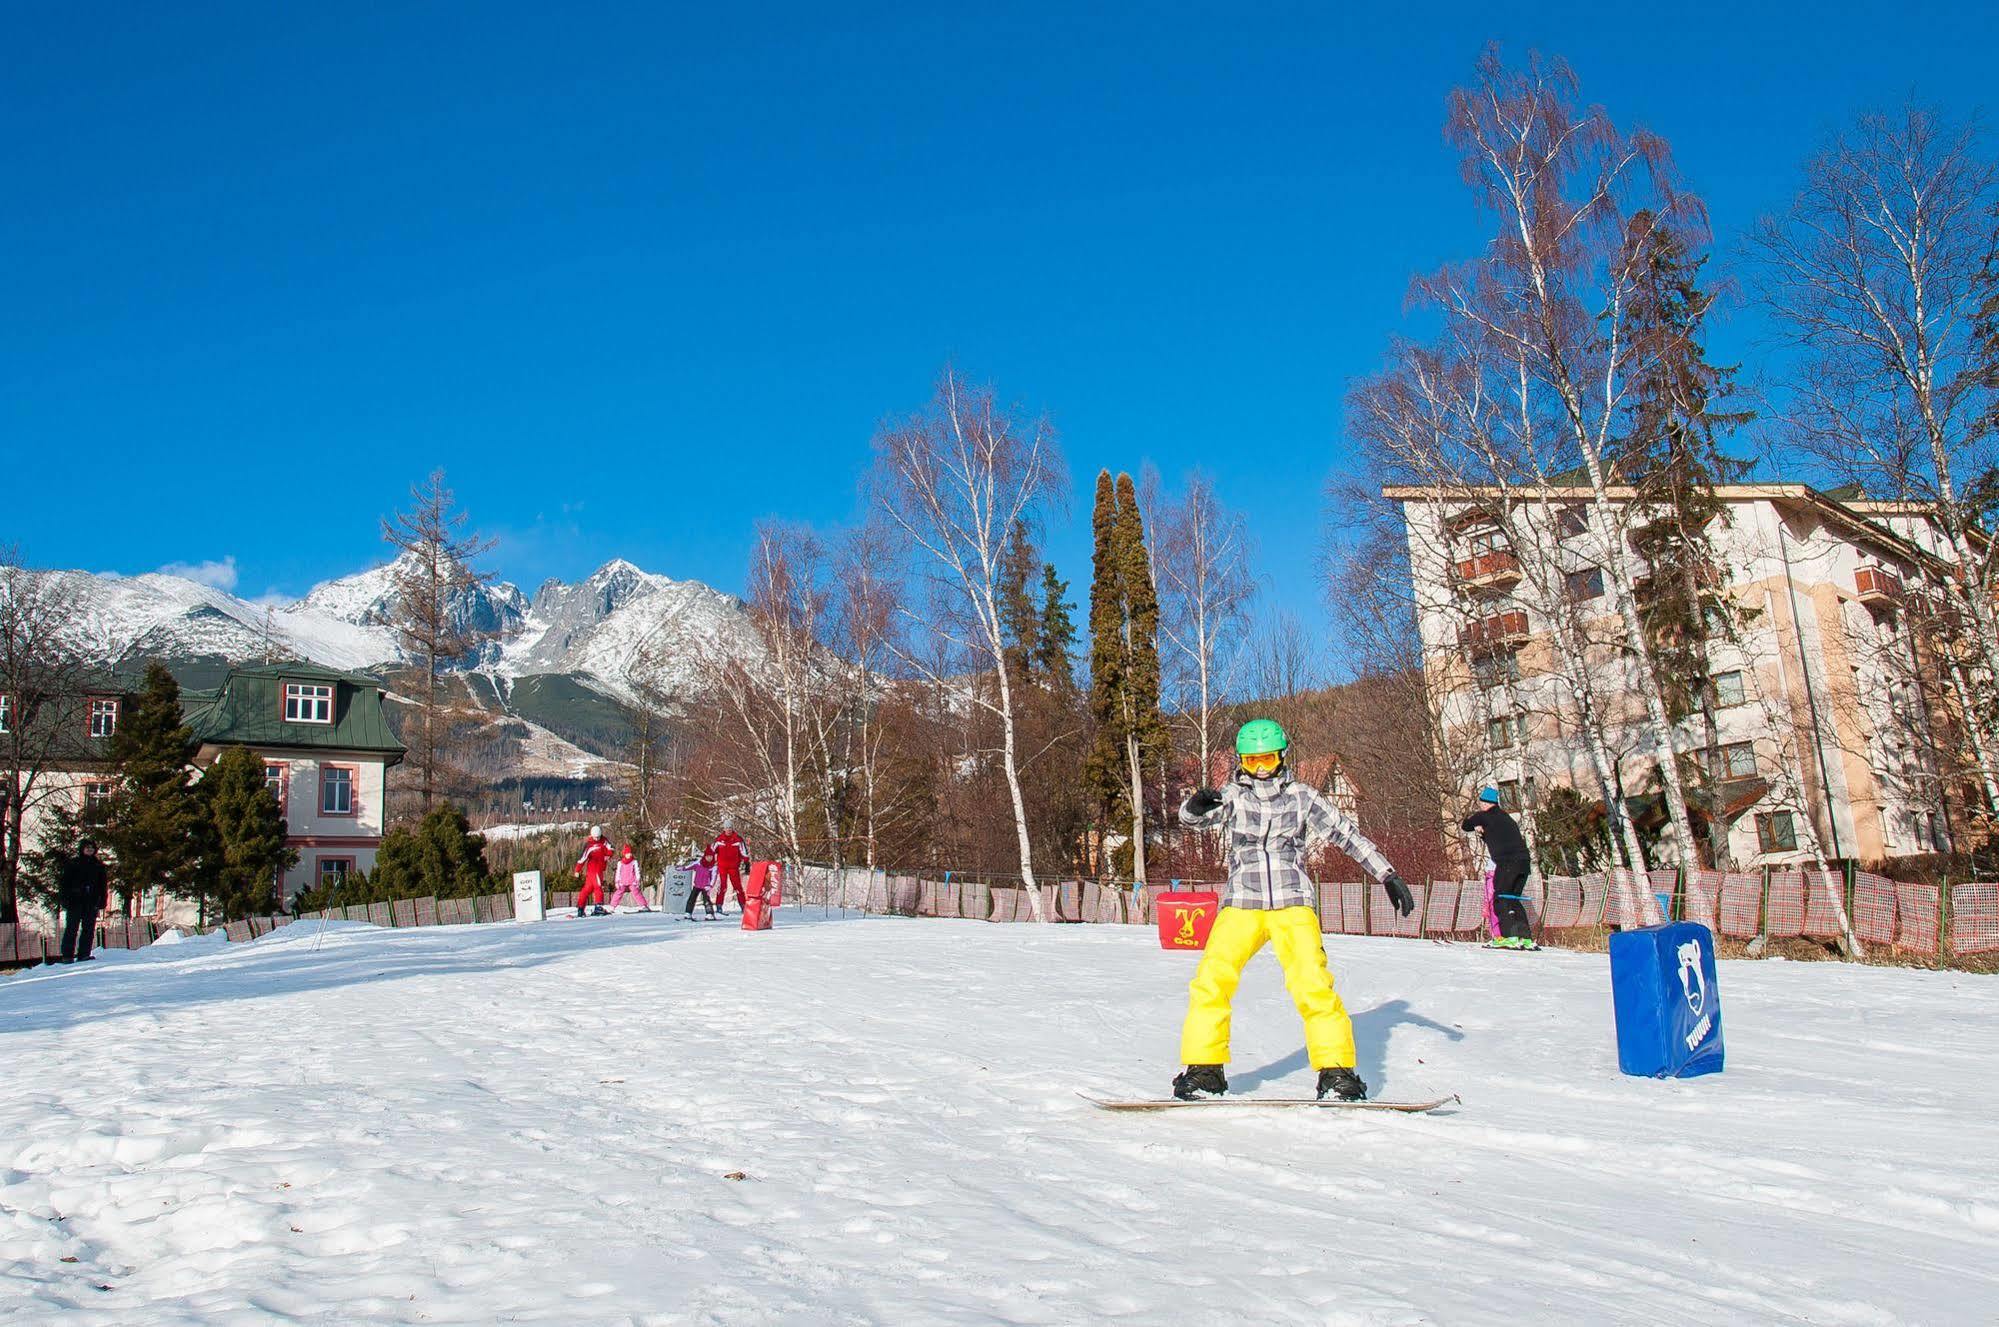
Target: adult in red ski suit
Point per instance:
(597, 857)
(731, 855)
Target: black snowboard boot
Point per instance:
(1343, 1084)
(1199, 1082)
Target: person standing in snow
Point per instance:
(1511, 866)
(596, 857)
(84, 890)
(731, 854)
(703, 888)
(628, 881)
(1272, 820)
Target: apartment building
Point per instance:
(1816, 703)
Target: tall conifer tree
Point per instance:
(154, 827)
(246, 835)
(1130, 736)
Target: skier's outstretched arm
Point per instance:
(1206, 807)
(1326, 823)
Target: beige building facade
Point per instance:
(1823, 739)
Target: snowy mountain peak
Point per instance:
(591, 628)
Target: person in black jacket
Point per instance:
(83, 889)
(1510, 868)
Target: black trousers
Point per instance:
(700, 896)
(1509, 880)
(79, 932)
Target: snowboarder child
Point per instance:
(1510, 868)
(628, 881)
(1272, 820)
(596, 856)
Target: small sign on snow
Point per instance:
(527, 896)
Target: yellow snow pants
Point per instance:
(1294, 934)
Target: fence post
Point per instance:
(1763, 909)
(1943, 922)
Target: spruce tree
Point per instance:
(1019, 621)
(248, 853)
(1055, 652)
(154, 826)
(439, 855)
(1673, 460)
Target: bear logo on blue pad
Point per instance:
(1692, 980)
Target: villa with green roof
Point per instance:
(327, 748)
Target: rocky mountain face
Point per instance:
(581, 642)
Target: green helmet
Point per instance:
(1260, 736)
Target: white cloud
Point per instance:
(216, 575)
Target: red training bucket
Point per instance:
(1185, 919)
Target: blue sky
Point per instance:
(637, 275)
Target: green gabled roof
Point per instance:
(248, 711)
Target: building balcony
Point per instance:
(1497, 632)
(1877, 587)
(1496, 570)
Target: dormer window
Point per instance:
(6, 712)
(103, 716)
(308, 702)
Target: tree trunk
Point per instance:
(1009, 762)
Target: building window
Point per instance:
(308, 702)
(1776, 832)
(103, 717)
(1738, 761)
(1571, 521)
(1585, 584)
(1495, 670)
(336, 790)
(333, 871)
(1510, 792)
(1507, 730)
(6, 712)
(277, 779)
(1728, 690)
(97, 795)
(1936, 834)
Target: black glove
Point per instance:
(1203, 801)
(1398, 893)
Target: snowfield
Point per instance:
(503, 1124)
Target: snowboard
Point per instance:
(1174, 1103)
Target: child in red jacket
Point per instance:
(597, 855)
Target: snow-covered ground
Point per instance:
(541, 1125)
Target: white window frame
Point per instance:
(309, 702)
(327, 783)
(103, 716)
(6, 710)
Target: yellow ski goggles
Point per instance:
(1262, 762)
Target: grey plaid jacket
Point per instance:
(1271, 823)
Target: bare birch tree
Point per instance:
(1201, 559)
(1555, 289)
(1876, 274)
(41, 704)
(867, 610)
(773, 697)
(952, 481)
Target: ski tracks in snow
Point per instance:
(641, 1121)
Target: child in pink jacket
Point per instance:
(628, 881)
